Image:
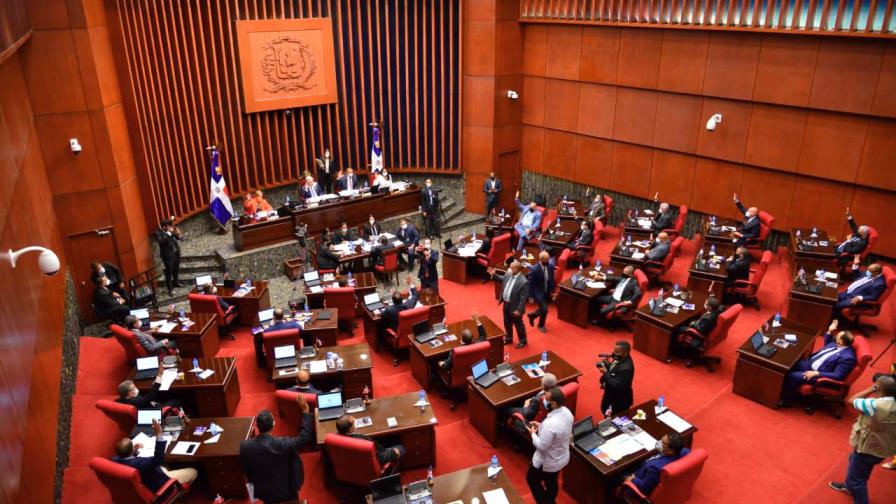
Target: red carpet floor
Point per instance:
(755, 454)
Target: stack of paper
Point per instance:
(621, 446)
(168, 377)
(496, 496)
(317, 366)
(674, 421)
(167, 327)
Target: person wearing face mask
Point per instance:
(430, 208)
(835, 360)
(625, 292)
(150, 343)
(378, 252)
(272, 465)
(647, 477)
(408, 235)
(326, 258)
(372, 229)
(855, 243)
(749, 230)
(529, 223)
(109, 304)
(326, 170)
(399, 304)
(211, 290)
(466, 338)
(688, 343)
(867, 288)
(738, 266)
(514, 293)
(660, 248)
(311, 189)
(428, 272)
(541, 288)
(530, 408)
(153, 475)
(617, 373)
(492, 189)
(110, 271)
(581, 244)
(129, 394)
(349, 181)
(168, 236)
(343, 234)
(551, 441)
(382, 182)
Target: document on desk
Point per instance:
(644, 223)
(596, 285)
(316, 289)
(673, 301)
(148, 448)
(205, 374)
(167, 327)
(397, 243)
(212, 440)
(638, 255)
(157, 323)
(496, 496)
(317, 366)
(674, 421)
(646, 440)
(185, 448)
(168, 377)
(621, 446)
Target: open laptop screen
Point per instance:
(142, 313)
(370, 299)
(282, 352)
(147, 363)
(583, 426)
(421, 327)
(384, 488)
(265, 315)
(333, 400)
(479, 369)
(756, 340)
(145, 417)
(203, 279)
(311, 275)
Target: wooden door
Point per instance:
(509, 173)
(92, 246)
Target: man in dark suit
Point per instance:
(835, 360)
(279, 322)
(326, 258)
(378, 252)
(408, 235)
(150, 343)
(327, 170)
(738, 266)
(429, 260)
(345, 425)
(531, 406)
(153, 474)
(390, 313)
(664, 218)
(492, 189)
(855, 243)
(108, 304)
(617, 375)
(689, 343)
(429, 205)
(344, 234)
(751, 226)
(582, 242)
(647, 476)
(626, 292)
(349, 181)
(466, 338)
(303, 383)
(660, 248)
(128, 393)
(311, 189)
(867, 288)
(541, 287)
(514, 291)
(167, 236)
(110, 271)
(598, 208)
(372, 228)
(272, 464)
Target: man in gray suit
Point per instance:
(514, 292)
(152, 345)
(660, 248)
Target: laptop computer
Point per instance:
(503, 369)
(142, 315)
(372, 301)
(147, 367)
(284, 356)
(144, 421)
(329, 406)
(585, 438)
(657, 308)
(265, 317)
(311, 278)
(203, 280)
(307, 352)
(761, 348)
(422, 332)
(439, 328)
(355, 405)
(387, 490)
(482, 376)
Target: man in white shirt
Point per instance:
(551, 441)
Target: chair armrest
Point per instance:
(482, 256)
(168, 492)
(832, 384)
(633, 491)
(586, 248)
(744, 284)
(867, 305)
(622, 304)
(391, 333)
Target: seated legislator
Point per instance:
(211, 290)
(855, 243)
(326, 258)
(647, 476)
(343, 234)
(113, 273)
(250, 206)
(598, 208)
(311, 189)
(348, 182)
(659, 249)
(303, 383)
(664, 218)
(626, 290)
(382, 182)
(835, 361)
(466, 338)
(867, 288)
(529, 223)
(150, 343)
(751, 226)
(408, 235)
(279, 323)
(129, 394)
(738, 266)
(109, 304)
(379, 250)
(530, 408)
(345, 426)
(153, 474)
(486, 242)
(429, 260)
(272, 464)
(583, 240)
(390, 313)
(688, 343)
(371, 229)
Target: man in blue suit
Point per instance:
(152, 474)
(541, 285)
(408, 235)
(750, 228)
(280, 323)
(399, 304)
(868, 288)
(311, 189)
(647, 476)
(834, 361)
(529, 223)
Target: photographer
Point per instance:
(617, 374)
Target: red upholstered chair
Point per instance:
(208, 303)
(766, 221)
(123, 483)
(748, 289)
(717, 335)
(389, 266)
(343, 299)
(677, 480)
(562, 261)
(497, 254)
(870, 308)
(128, 341)
(656, 269)
(464, 358)
(289, 411)
(353, 460)
(675, 230)
(625, 318)
(608, 204)
(398, 339)
(122, 414)
(872, 239)
(590, 251)
(832, 393)
(273, 339)
(570, 396)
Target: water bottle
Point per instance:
(676, 289)
(494, 461)
(181, 313)
(798, 234)
(421, 398)
(307, 310)
(544, 358)
(712, 220)
(814, 231)
(778, 317)
(507, 358)
(429, 480)
(351, 281)
(700, 254)
(712, 250)
(802, 273)
(597, 265)
(581, 268)
(195, 363)
(287, 199)
(659, 295)
(557, 225)
(249, 283)
(661, 402)
(628, 239)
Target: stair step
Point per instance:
(468, 219)
(202, 269)
(199, 258)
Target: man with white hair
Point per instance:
(311, 189)
(664, 218)
(531, 407)
(855, 243)
(749, 230)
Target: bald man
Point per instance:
(303, 383)
(514, 293)
(660, 248)
(749, 230)
(866, 288)
(855, 243)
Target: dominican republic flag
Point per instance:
(219, 206)
(376, 152)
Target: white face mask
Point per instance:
(428, 246)
(747, 214)
(372, 221)
(404, 226)
(102, 271)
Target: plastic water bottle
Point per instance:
(597, 265)
(661, 402)
(249, 282)
(494, 464)
(507, 358)
(351, 281)
(700, 254)
(712, 220)
(712, 250)
(287, 199)
(802, 273)
(429, 480)
(659, 295)
(306, 307)
(544, 358)
(628, 239)
(195, 363)
(182, 313)
(676, 289)
(421, 396)
(798, 234)
(778, 317)
(814, 231)
(581, 268)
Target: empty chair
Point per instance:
(342, 299)
(562, 261)
(399, 338)
(608, 204)
(870, 308)
(124, 485)
(273, 339)
(390, 264)
(464, 358)
(354, 460)
(677, 480)
(717, 335)
(747, 290)
(498, 252)
(623, 314)
(289, 412)
(122, 414)
(832, 393)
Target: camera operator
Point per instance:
(429, 260)
(430, 208)
(617, 374)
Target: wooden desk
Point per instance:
(633, 228)
(574, 305)
(199, 340)
(703, 273)
(571, 210)
(456, 267)
(364, 283)
(248, 306)
(621, 255)
(219, 461)
(424, 357)
(216, 396)
(323, 330)
(353, 377)
(586, 479)
(250, 234)
(500, 225)
(761, 378)
(374, 329)
(653, 334)
(560, 237)
(820, 247)
(716, 233)
(485, 404)
(468, 483)
(415, 429)
(810, 308)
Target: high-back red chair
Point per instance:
(656, 269)
(353, 460)
(273, 339)
(677, 480)
(390, 264)
(398, 339)
(498, 252)
(717, 335)
(872, 239)
(562, 261)
(570, 396)
(832, 393)
(464, 358)
(608, 205)
(869, 308)
(676, 228)
(344, 300)
(132, 348)
(624, 313)
(748, 289)
(288, 409)
(124, 485)
(589, 252)
(124, 415)
(766, 221)
(208, 303)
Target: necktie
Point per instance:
(313, 192)
(349, 184)
(509, 287)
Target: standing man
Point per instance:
(541, 286)
(492, 189)
(551, 441)
(326, 170)
(514, 290)
(110, 271)
(271, 464)
(873, 436)
(430, 208)
(617, 374)
(167, 236)
(429, 272)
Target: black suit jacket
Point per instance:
(150, 468)
(584, 239)
(339, 236)
(706, 323)
(326, 258)
(631, 291)
(273, 464)
(390, 313)
(409, 236)
(449, 362)
(306, 191)
(429, 200)
(663, 221)
(617, 383)
(739, 269)
(367, 231)
(519, 294)
(112, 273)
(856, 245)
(104, 301)
(428, 272)
(492, 198)
(146, 400)
(168, 246)
(332, 168)
(378, 251)
(342, 183)
(750, 228)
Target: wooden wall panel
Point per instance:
(842, 74)
(479, 50)
(885, 94)
(877, 167)
(832, 146)
(561, 109)
(479, 109)
(534, 100)
(597, 109)
(672, 176)
(731, 65)
(875, 208)
(57, 62)
(715, 183)
(729, 140)
(563, 44)
(535, 44)
(631, 169)
(785, 70)
(639, 58)
(775, 136)
(533, 149)
(69, 174)
(594, 161)
(677, 122)
(821, 203)
(635, 115)
(772, 191)
(683, 61)
(600, 55)
(559, 152)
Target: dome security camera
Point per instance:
(48, 262)
(713, 121)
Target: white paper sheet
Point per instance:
(167, 327)
(168, 377)
(638, 255)
(212, 440)
(317, 366)
(620, 446)
(317, 289)
(205, 374)
(674, 301)
(148, 448)
(646, 440)
(596, 285)
(674, 421)
(496, 496)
